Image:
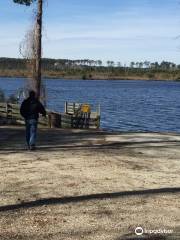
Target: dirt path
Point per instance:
(89, 185)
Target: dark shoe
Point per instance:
(32, 147)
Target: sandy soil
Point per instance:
(89, 185)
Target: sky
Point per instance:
(117, 30)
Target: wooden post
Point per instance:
(65, 107)
(49, 119)
(99, 110)
(72, 121)
(38, 49)
(98, 117)
(73, 108)
(7, 110)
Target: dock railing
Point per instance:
(10, 113)
(90, 117)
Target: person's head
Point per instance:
(32, 94)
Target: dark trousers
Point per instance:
(31, 131)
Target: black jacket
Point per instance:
(31, 107)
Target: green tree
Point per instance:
(108, 63)
(119, 64)
(99, 62)
(137, 64)
(38, 44)
(140, 64)
(112, 63)
(132, 64)
(147, 64)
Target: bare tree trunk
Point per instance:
(38, 49)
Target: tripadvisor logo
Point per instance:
(140, 231)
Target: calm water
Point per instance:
(125, 105)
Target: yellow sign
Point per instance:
(85, 108)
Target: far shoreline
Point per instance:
(75, 78)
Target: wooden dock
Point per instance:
(73, 116)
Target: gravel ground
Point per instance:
(95, 185)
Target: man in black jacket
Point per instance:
(30, 109)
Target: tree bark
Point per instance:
(38, 49)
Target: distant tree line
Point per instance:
(91, 69)
(12, 63)
(58, 64)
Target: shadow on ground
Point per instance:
(158, 237)
(97, 196)
(13, 139)
(150, 237)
